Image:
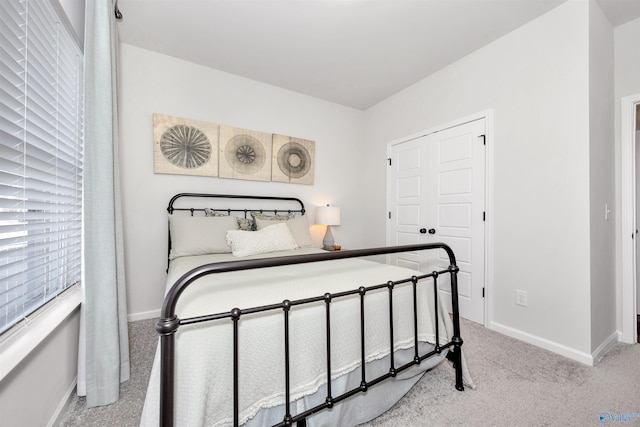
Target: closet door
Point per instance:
(436, 193)
(408, 194)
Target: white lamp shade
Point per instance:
(328, 215)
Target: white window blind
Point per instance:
(40, 158)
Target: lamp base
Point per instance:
(327, 242)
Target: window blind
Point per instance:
(40, 158)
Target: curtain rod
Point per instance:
(117, 11)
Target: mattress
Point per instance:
(204, 352)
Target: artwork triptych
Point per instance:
(191, 147)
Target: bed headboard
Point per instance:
(275, 204)
(230, 204)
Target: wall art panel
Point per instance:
(293, 160)
(244, 154)
(184, 146)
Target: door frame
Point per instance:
(628, 333)
(487, 115)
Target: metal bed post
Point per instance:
(363, 378)
(286, 306)
(392, 364)
(456, 339)
(166, 328)
(235, 316)
(414, 286)
(435, 305)
(327, 300)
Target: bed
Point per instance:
(260, 328)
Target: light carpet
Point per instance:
(517, 385)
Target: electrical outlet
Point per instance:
(521, 298)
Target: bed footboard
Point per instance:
(169, 323)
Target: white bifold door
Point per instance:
(436, 193)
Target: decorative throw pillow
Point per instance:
(199, 235)
(298, 226)
(274, 238)
(245, 224)
(266, 217)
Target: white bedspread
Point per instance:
(204, 351)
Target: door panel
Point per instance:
(438, 181)
(407, 186)
(408, 215)
(459, 210)
(455, 215)
(456, 148)
(453, 182)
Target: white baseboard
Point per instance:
(554, 347)
(145, 315)
(53, 421)
(604, 348)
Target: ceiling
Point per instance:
(351, 52)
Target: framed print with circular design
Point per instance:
(293, 160)
(244, 154)
(184, 146)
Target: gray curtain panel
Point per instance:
(104, 346)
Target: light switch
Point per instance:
(521, 298)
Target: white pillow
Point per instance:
(276, 237)
(199, 235)
(298, 226)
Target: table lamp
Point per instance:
(328, 215)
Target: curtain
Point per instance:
(104, 342)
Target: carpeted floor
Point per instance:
(517, 385)
(143, 340)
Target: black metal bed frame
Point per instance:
(175, 198)
(168, 323)
(171, 208)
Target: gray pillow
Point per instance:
(199, 235)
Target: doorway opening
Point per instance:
(629, 223)
(636, 136)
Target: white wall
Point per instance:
(627, 82)
(33, 393)
(153, 83)
(601, 168)
(536, 80)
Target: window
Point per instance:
(40, 158)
